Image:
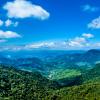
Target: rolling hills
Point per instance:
(22, 85)
(56, 78)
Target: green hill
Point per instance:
(21, 85)
(82, 92)
(88, 90)
(93, 75)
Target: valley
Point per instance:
(74, 76)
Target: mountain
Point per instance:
(93, 74)
(93, 51)
(43, 54)
(51, 66)
(88, 90)
(88, 59)
(22, 85)
(28, 64)
(92, 56)
(53, 57)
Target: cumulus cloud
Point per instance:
(40, 45)
(87, 35)
(90, 8)
(8, 34)
(25, 9)
(15, 24)
(95, 23)
(81, 41)
(1, 22)
(53, 45)
(77, 42)
(9, 22)
(64, 45)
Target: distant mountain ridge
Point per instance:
(90, 56)
(71, 60)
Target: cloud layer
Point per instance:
(81, 42)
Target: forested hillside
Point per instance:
(22, 85)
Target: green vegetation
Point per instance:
(58, 74)
(22, 85)
(82, 92)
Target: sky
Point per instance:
(49, 24)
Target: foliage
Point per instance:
(53, 79)
(21, 85)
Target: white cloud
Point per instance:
(80, 42)
(9, 22)
(11, 48)
(90, 8)
(1, 22)
(25, 9)
(87, 35)
(15, 24)
(97, 44)
(8, 34)
(94, 45)
(77, 42)
(95, 23)
(40, 45)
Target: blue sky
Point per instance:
(49, 24)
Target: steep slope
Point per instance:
(27, 64)
(30, 64)
(82, 92)
(88, 90)
(21, 85)
(66, 77)
(93, 74)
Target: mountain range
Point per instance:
(23, 85)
